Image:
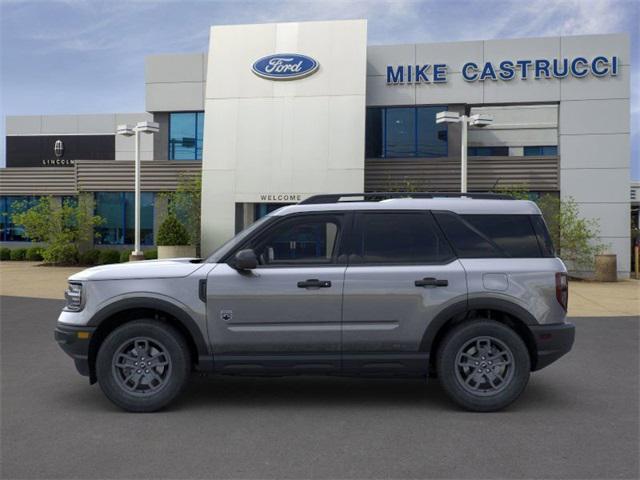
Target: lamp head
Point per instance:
(447, 117)
(147, 127)
(125, 130)
(480, 120)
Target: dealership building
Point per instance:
(273, 113)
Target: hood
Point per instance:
(170, 268)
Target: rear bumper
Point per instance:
(75, 343)
(552, 342)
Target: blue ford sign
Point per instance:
(285, 66)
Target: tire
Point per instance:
(143, 365)
(483, 365)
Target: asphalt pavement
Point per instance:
(578, 418)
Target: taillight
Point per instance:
(562, 289)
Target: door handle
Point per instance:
(314, 283)
(431, 282)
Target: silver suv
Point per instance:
(463, 288)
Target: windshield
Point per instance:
(221, 251)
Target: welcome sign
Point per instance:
(506, 70)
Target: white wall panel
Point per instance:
(594, 117)
(595, 151)
(292, 137)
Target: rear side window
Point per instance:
(544, 239)
(513, 234)
(486, 236)
(399, 238)
(468, 242)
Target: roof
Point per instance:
(457, 205)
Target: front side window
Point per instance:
(117, 210)
(185, 135)
(399, 238)
(306, 240)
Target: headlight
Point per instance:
(73, 296)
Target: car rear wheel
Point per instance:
(483, 365)
(143, 365)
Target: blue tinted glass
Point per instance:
(400, 129)
(548, 150)
(199, 134)
(432, 137)
(109, 208)
(10, 232)
(551, 150)
(185, 135)
(117, 211)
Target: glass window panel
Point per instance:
(469, 243)
(184, 138)
(514, 234)
(300, 241)
(109, 207)
(550, 150)
(199, 134)
(146, 217)
(373, 133)
(414, 239)
(400, 128)
(432, 136)
(118, 211)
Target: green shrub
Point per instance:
(5, 253)
(18, 253)
(124, 256)
(61, 254)
(34, 254)
(172, 232)
(90, 257)
(108, 256)
(151, 254)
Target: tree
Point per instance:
(184, 203)
(61, 226)
(172, 232)
(576, 238)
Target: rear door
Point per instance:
(401, 274)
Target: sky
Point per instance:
(78, 56)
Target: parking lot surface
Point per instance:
(577, 418)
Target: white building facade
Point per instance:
(274, 113)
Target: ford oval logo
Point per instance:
(285, 66)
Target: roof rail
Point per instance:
(378, 196)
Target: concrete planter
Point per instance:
(176, 251)
(606, 268)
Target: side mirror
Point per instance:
(245, 260)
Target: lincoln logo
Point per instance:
(58, 148)
(285, 66)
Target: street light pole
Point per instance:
(128, 131)
(463, 155)
(478, 120)
(136, 248)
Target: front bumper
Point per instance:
(552, 342)
(75, 343)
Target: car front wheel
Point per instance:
(143, 365)
(483, 365)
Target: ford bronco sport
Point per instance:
(463, 287)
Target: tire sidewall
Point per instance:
(177, 349)
(446, 365)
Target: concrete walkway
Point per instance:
(586, 299)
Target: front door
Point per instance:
(401, 274)
(287, 312)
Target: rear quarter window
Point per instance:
(490, 236)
